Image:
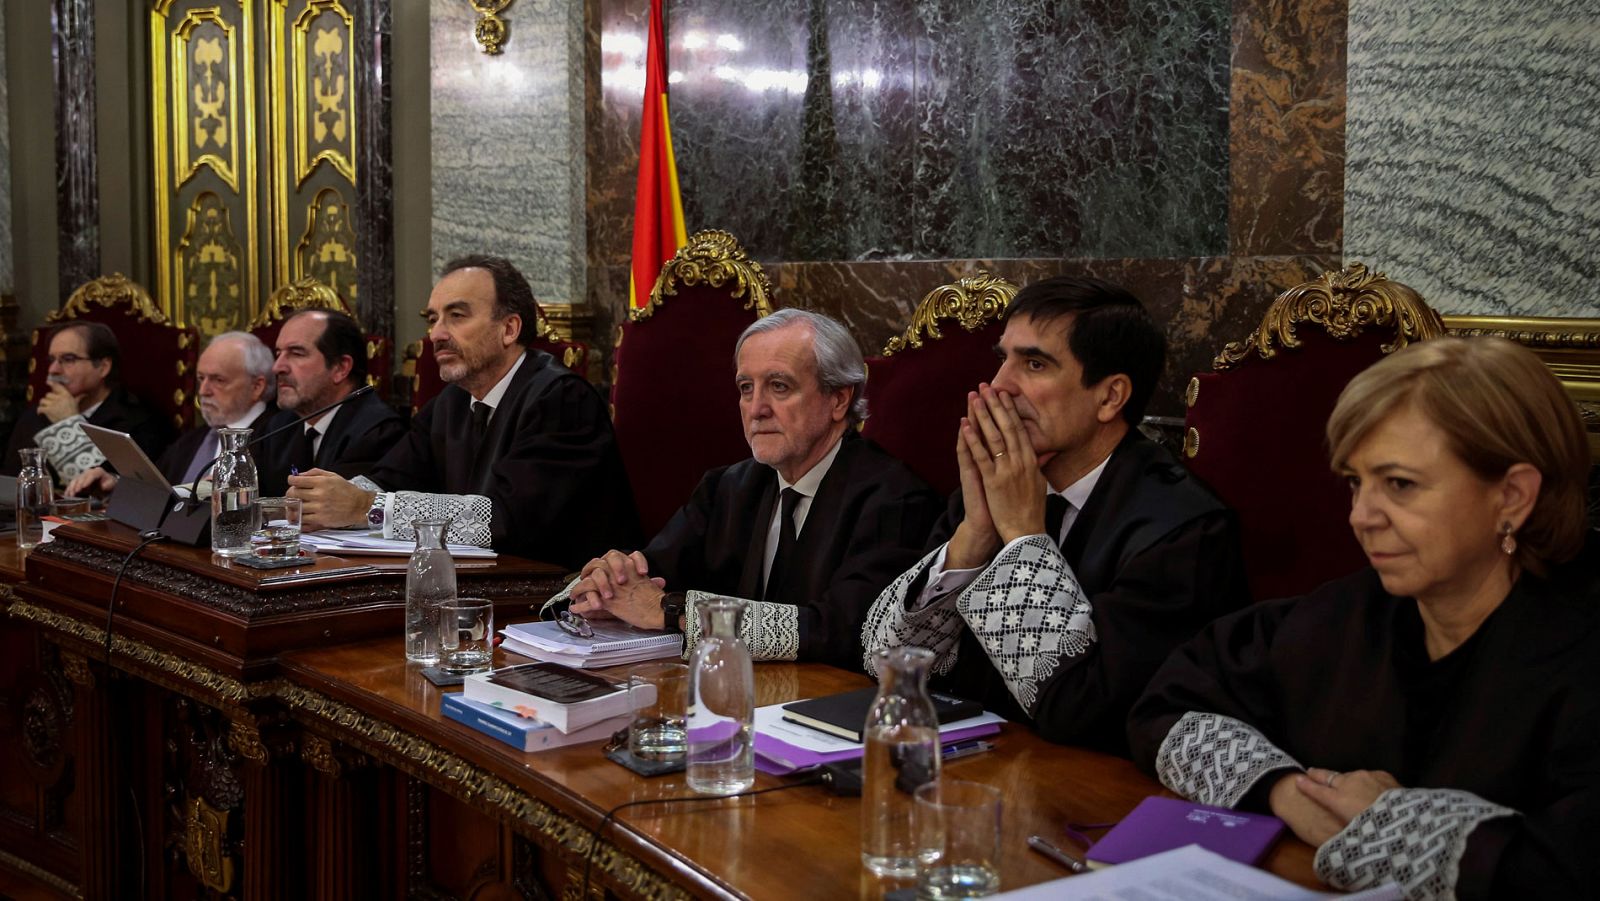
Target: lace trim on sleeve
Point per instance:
(1411, 836)
(1216, 759)
(68, 448)
(889, 624)
(770, 631)
(469, 515)
(1030, 615)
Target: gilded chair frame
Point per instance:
(972, 301)
(711, 257)
(1570, 347)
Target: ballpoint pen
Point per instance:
(959, 749)
(1043, 846)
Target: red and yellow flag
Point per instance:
(658, 229)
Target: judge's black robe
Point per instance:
(1152, 557)
(358, 436)
(120, 411)
(174, 462)
(548, 465)
(867, 523)
(1341, 679)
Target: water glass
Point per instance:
(658, 694)
(279, 534)
(466, 635)
(958, 828)
(70, 506)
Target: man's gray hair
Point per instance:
(257, 359)
(839, 362)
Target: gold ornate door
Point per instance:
(255, 149)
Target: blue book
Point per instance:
(522, 732)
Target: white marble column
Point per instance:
(508, 142)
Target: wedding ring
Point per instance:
(998, 456)
(1331, 777)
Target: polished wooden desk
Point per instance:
(279, 746)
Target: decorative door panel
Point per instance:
(313, 223)
(236, 220)
(203, 68)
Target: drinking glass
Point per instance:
(279, 534)
(958, 824)
(466, 635)
(658, 694)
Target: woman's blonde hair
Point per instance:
(1497, 405)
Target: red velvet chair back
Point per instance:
(158, 358)
(423, 370)
(310, 294)
(917, 391)
(673, 401)
(1256, 425)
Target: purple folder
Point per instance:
(779, 758)
(1161, 824)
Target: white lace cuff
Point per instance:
(889, 624)
(770, 631)
(1411, 836)
(68, 448)
(1030, 615)
(1216, 759)
(469, 516)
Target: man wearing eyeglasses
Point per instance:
(83, 387)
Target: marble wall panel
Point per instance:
(77, 173)
(8, 273)
(1474, 173)
(508, 145)
(1287, 127)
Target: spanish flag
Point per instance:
(658, 229)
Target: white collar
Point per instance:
(501, 387)
(243, 422)
(91, 411)
(808, 483)
(1077, 494)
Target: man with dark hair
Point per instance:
(809, 529)
(321, 357)
(83, 387)
(517, 450)
(1077, 553)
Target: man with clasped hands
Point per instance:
(810, 528)
(517, 449)
(1077, 553)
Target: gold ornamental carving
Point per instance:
(211, 269)
(324, 90)
(490, 30)
(76, 668)
(110, 291)
(205, 830)
(1569, 347)
(302, 294)
(205, 64)
(973, 302)
(245, 740)
(712, 257)
(327, 248)
(1344, 304)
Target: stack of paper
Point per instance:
(783, 747)
(614, 643)
(334, 541)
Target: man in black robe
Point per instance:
(1077, 553)
(234, 386)
(320, 359)
(809, 529)
(83, 388)
(517, 450)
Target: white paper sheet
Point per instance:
(1189, 873)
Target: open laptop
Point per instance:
(127, 456)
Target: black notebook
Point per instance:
(845, 714)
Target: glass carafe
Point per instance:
(722, 702)
(35, 494)
(234, 487)
(430, 581)
(902, 736)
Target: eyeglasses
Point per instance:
(573, 624)
(65, 359)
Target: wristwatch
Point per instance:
(375, 513)
(672, 607)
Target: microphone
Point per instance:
(194, 486)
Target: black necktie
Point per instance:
(480, 419)
(1055, 513)
(301, 456)
(786, 542)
